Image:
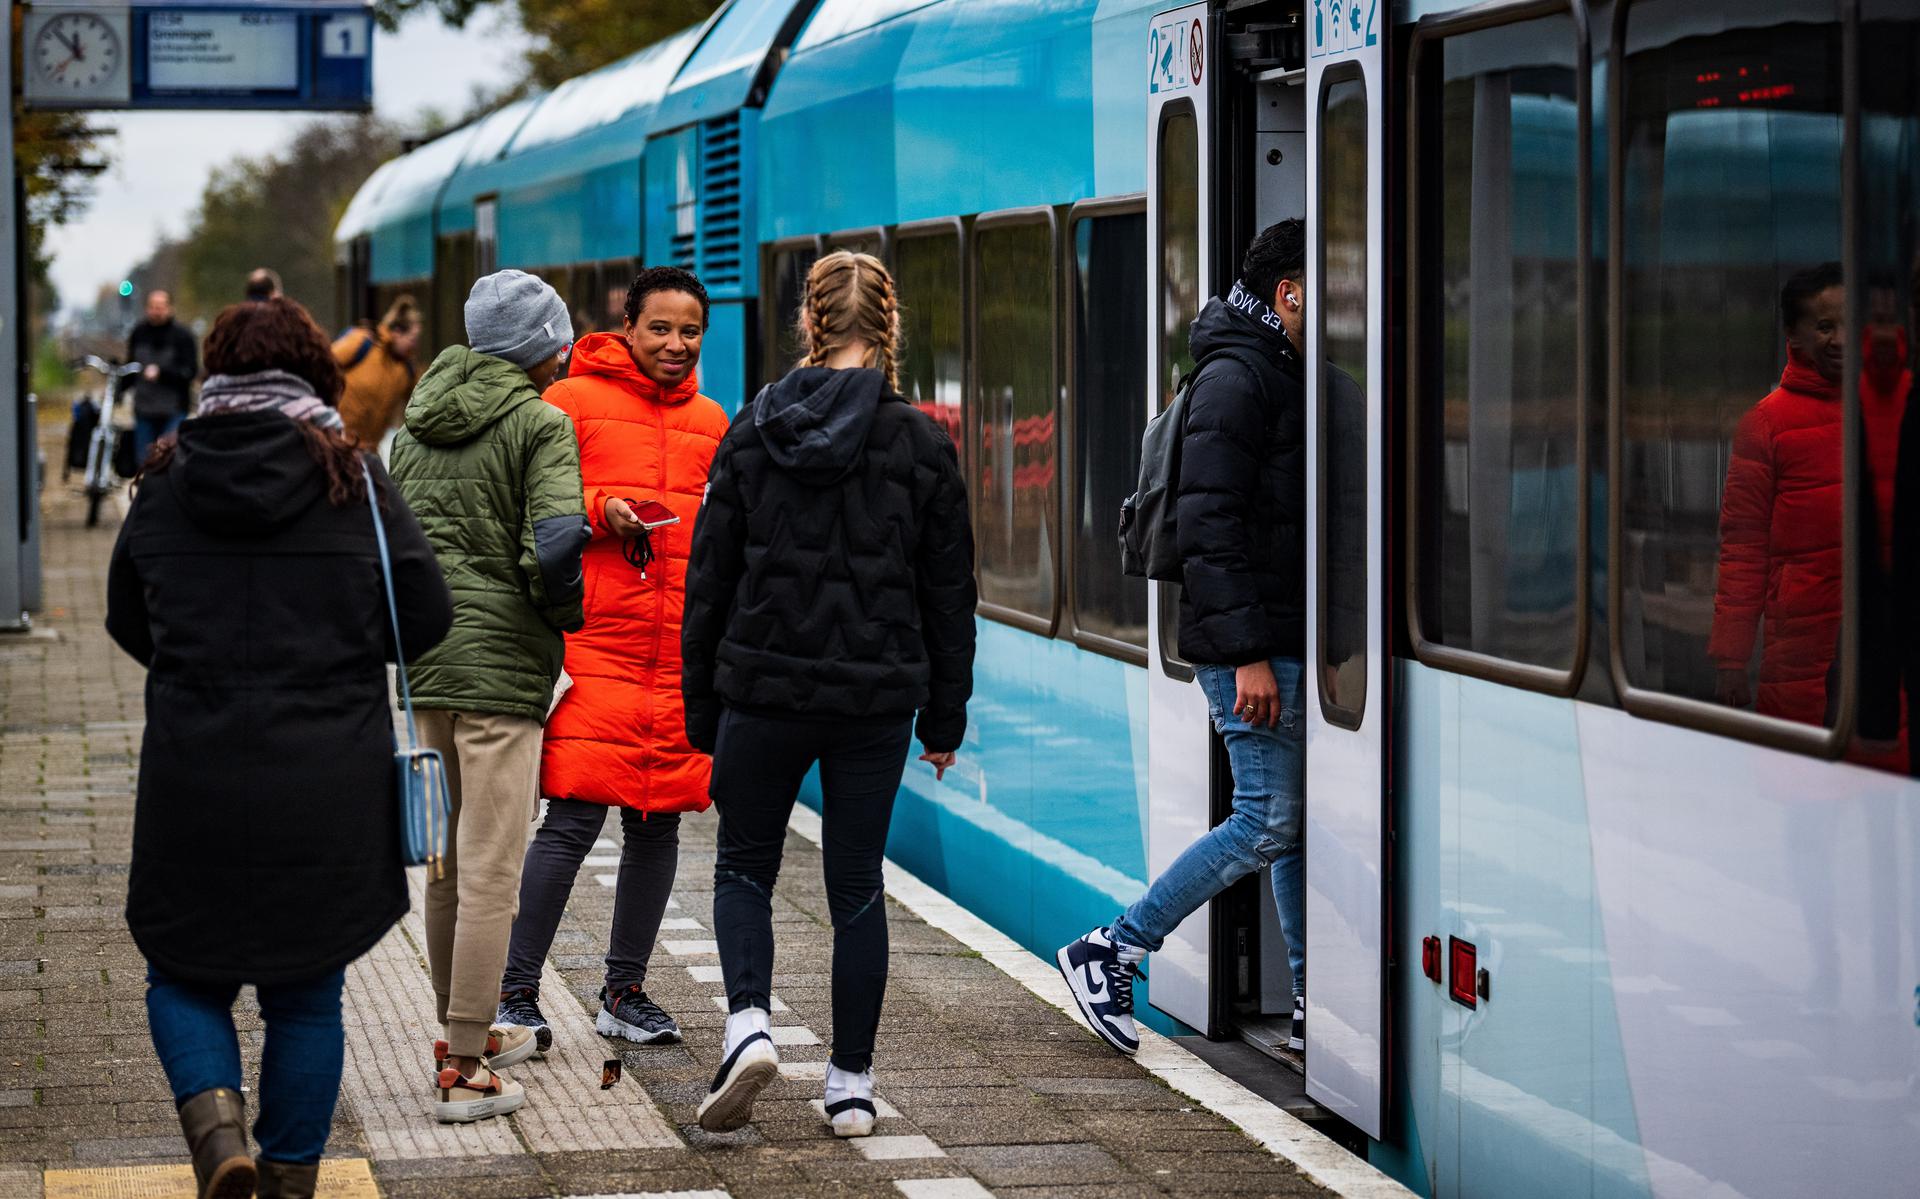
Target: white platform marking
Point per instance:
(606, 880)
(681, 924)
(794, 1034)
(706, 974)
(689, 948)
(900, 1148)
(942, 1188)
(603, 859)
(804, 1071)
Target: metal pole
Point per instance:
(16, 436)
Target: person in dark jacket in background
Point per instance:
(830, 599)
(169, 361)
(1241, 517)
(247, 581)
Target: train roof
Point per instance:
(479, 170)
(720, 74)
(1049, 89)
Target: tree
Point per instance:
(573, 36)
(58, 157)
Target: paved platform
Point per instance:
(988, 1088)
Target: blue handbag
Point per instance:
(425, 809)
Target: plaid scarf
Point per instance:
(267, 390)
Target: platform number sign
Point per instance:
(1176, 55)
(1340, 27)
(344, 37)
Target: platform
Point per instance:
(988, 1087)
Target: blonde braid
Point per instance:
(851, 296)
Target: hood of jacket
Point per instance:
(1243, 321)
(608, 356)
(464, 392)
(815, 420)
(243, 474)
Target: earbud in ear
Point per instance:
(1293, 301)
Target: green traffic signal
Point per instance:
(126, 287)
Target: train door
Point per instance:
(1347, 650)
(1180, 276)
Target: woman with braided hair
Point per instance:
(829, 620)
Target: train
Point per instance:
(1580, 921)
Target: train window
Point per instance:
(1178, 303)
(1015, 475)
(860, 241)
(616, 278)
(1344, 222)
(1888, 302)
(486, 236)
(1109, 416)
(785, 285)
(932, 335)
(1727, 538)
(1496, 504)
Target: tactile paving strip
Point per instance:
(342, 1178)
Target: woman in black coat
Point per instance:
(829, 618)
(266, 836)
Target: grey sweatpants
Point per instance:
(648, 859)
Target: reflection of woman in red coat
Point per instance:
(618, 738)
(1781, 514)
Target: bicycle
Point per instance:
(100, 477)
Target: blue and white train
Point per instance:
(1575, 926)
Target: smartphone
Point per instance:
(652, 514)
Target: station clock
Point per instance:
(76, 55)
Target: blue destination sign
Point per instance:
(275, 54)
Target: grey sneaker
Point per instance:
(630, 1015)
(521, 1009)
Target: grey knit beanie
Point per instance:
(515, 316)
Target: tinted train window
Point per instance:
(1730, 462)
(453, 277)
(1498, 379)
(1109, 415)
(1343, 402)
(933, 347)
(1015, 473)
(785, 286)
(864, 241)
(1178, 303)
(486, 236)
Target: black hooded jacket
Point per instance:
(832, 567)
(266, 833)
(1242, 510)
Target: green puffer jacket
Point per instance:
(492, 472)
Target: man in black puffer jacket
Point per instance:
(1241, 515)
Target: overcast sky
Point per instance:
(162, 159)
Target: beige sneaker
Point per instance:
(462, 1099)
(507, 1045)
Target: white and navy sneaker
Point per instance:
(849, 1102)
(1297, 1039)
(630, 1015)
(1100, 972)
(751, 1063)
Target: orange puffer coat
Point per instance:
(619, 735)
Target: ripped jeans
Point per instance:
(759, 762)
(1267, 826)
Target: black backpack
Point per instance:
(1149, 533)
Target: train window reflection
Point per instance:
(1015, 473)
(1109, 416)
(785, 284)
(933, 350)
(1178, 303)
(1342, 583)
(1500, 307)
(1730, 462)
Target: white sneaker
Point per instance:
(1099, 971)
(849, 1102)
(460, 1099)
(751, 1064)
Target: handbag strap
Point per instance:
(393, 608)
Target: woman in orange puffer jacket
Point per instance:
(618, 736)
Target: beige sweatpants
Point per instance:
(493, 778)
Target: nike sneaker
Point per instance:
(1099, 972)
(630, 1015)
(1297, 1038)
(521, 1009)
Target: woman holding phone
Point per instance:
(829, 620)
(618, 737)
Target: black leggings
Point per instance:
(758, 764)
(649, 856)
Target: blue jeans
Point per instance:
(149, 429)
(1266, 828)
(300, 1065)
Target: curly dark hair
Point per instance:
(665, 278)
(273, 335)
(1280, 252)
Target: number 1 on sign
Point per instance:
(343, 37)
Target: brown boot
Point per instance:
(215, 1123)
(284, 1180)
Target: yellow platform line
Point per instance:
(340, 1178)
